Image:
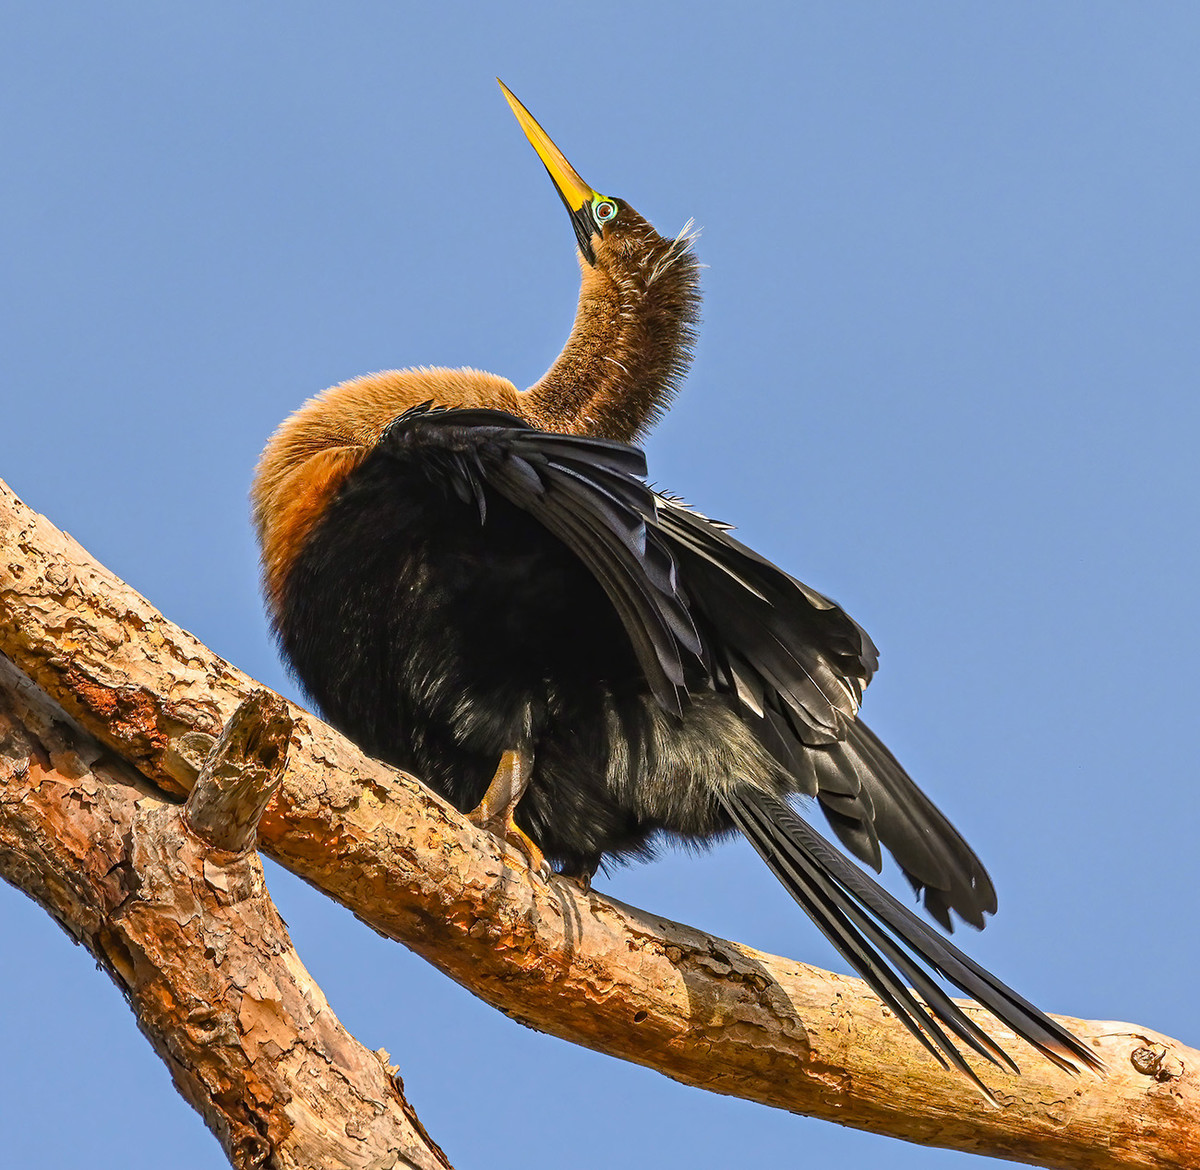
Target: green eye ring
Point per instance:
(604, 211)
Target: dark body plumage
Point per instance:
(458, 570)
(454, 640)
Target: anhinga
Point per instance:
(475, 583)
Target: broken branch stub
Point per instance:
(241, 774)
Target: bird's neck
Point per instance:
(630, 346)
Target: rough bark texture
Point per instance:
(190, 936)
(701, 1010)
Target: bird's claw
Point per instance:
(582, 880)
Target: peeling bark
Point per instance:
(699, 1009)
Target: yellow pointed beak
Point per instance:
(575, 193)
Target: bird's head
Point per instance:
(639, 300)
(601, 222)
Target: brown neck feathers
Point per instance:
(631, 344)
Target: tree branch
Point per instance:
(190, 936)
(701, 1010)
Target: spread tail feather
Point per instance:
(888, 945)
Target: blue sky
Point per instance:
(947, 374)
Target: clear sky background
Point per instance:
(947, 374)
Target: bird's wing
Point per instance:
(798, 664)
(703, 610)
(767, 633)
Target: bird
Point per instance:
(477, 584)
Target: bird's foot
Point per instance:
(495, 811)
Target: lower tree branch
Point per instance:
(701, 1010)
(190, 936)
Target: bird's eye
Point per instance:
(604, 211)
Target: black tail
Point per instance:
(870, 928)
